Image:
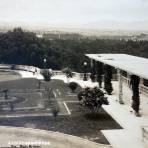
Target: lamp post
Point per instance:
(45, 63)
(85, 75)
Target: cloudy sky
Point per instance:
(101, 14)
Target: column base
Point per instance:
(137, 114)
(121, 98)
(121, 102)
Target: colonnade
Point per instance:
(102, 72)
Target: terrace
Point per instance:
(124, 128)
(127, 91)
(35, 111)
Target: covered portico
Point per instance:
(135, 67)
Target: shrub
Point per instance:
(68, 72)
(92, 98)
(46, 74)
(13, 67)
(73, 86)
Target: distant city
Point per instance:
(78, 33)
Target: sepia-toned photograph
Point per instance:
(73, 73)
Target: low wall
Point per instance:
(143, 89)
(20, 67)
(56, 139)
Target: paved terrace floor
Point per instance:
(131, 134)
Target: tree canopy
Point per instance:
(21, 47)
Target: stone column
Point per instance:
(107, 79)
(128, 79)
(91, 63)
(85, 71)
(93, 71)
(120, 86)
(136, 99)
(99, 73)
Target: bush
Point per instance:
(68, 72)
(73, 86)
(13, 67)
(92, 98)
(46, 74)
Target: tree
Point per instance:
(73, 86)
(21, 47)
(92, 99)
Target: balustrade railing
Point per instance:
(145, 135)
(143, 89)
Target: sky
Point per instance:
(95, 14)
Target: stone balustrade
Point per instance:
(145, 135)
(143, 89)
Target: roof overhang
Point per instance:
(131, 64)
